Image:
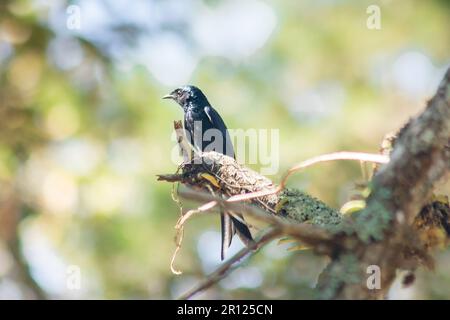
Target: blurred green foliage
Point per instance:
(83, 132)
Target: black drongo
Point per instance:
(207, 131)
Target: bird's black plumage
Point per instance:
(204, 125)
(200, 119)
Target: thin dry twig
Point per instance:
(226, 268)
(203, 208)
(180, 231)
(178, 241)
(343, 155)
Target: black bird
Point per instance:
(199, 112)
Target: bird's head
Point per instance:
(188, 95)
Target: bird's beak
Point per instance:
(169, 96)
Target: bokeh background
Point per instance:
(84, 132)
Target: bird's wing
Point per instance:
(218, 123)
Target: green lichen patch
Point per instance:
(302, 207)
(343, 271)
(373, 221)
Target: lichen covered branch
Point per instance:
(400, 189)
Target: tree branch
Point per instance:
(400, 189)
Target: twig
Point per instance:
(226, 268)
(203, 208)
(178, 242)
(344, 155)
(180, 232)
(170, 177)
